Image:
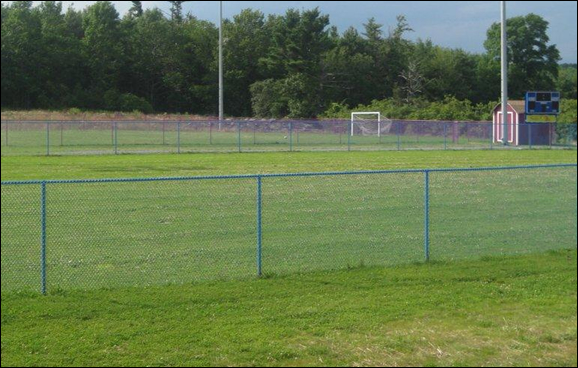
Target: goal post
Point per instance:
(364, 117)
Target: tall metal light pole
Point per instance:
(221, 108)
(504, 60)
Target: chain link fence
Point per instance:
(62, 235)
(118, 137)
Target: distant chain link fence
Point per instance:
(61, 235)
(117, 137)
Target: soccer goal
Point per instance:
(369, 124)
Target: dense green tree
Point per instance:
(177, 11)
(347, 71)
(401, 28)
(569, 111)
(376, 49)
(103, 49)
(247, 41)
(21, 40)
(395, 56)
(194, 69)
(373, 31)
(290, 65)
(447, 72)
(135, 10)
(566, 82)
(74, 24)
(533, 62)
(5, 11)
(486, 86)
(60, 59)
(149, 56)
(5, 60)
(298, 42)
(268, 99)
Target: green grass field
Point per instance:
(129, 166)
(154, 233)
(100, 138)
(130, 245)
(508, 311)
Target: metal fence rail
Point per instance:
(117, 137)
(81, 234)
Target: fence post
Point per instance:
(426, 216)
(48, 138)
(178, 137)
(239, 136)
(290, 136)
(259, 227)
(6, 135)
(349, 134)
(445, 136)
(530, 135)
(43, 238)
(210, 133)
(116, 138)
(398, 133)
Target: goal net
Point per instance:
(369, 124)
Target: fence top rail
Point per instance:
(86, 121)
(245, 121)
(233, 121)
(281, 175)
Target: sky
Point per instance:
(455, 24)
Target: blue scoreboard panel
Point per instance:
(542, 103)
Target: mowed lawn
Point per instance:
(171, 165)
(508, 311)
(125, 234)
(102, 138)
(500, 290)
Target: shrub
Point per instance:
(126, 102)
(131, 103)
(450, 108)
(267, 99)
(74, 111)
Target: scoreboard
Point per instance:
(542, 103)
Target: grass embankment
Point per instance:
(510, 311)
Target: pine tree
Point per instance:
(177, 11)
(136, 10)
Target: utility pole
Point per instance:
(221, 108)
(504, 77)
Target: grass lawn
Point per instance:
(171, 232)
(90, 167)
(122, 259)
(506, 311)
(103, 138)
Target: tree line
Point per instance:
(292, 65)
